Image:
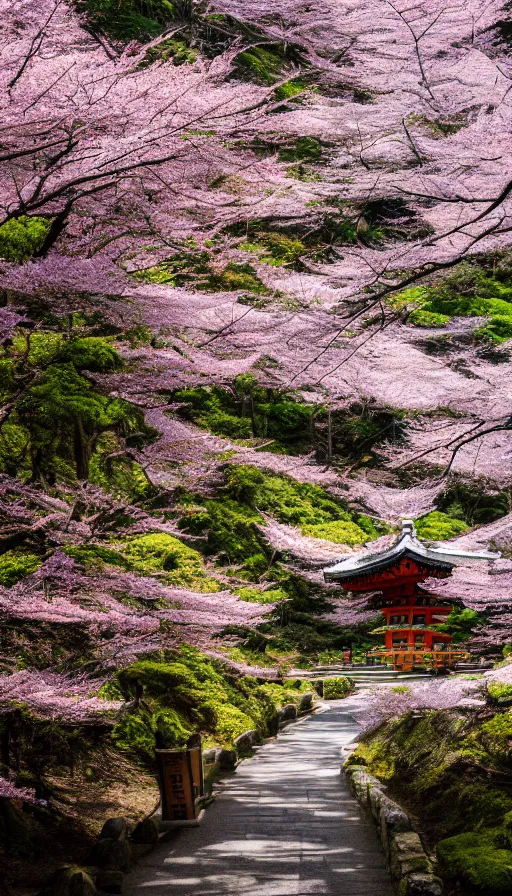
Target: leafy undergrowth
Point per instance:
(463, 505)
(285, 424)
(455, 773)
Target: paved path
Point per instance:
(284, 825)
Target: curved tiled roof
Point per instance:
(442, 556)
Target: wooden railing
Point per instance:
(407, 660)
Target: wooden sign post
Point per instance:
(180, 774)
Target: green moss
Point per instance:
(499, 692)
(185, 267)
(95, 556)
(337, 688)
(428, 318)
(472, 503)
(91, 353)
(290, 89)
(263, 64)
(478, 861)
(159, 552)
(289, 501)
(274, 248)
(21, 237)
(171, 50)
(305, 149)
(473, 290)
(499, 328)
(186, 692)
(497, 732)
(257, 595)
(235, 277)
(247, 410)
(438, 526)
(339, 532)
(15, 565)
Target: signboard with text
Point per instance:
(180, 775)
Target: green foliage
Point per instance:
(473, 290)
(188, 266)
(171, 50)
(116, 473)
(428, 318)
(263, 64)
(472, 503)
(305, 149)
(15, 565)
(159, 552)
(274, 248)
(21, 237)
(479, 861)
(186, 692)
(235, 277)
(232, 532)
(125, 20)
(296, 503)
(454, 769)
(63, 405)
(337, 688)
(460, 623)
(438, 526)
(247, 410)
(57, 424)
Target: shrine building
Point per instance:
(412, 639)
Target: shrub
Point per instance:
(21, 237)
(438, 526)
(337, 688)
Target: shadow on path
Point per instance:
(284, 825)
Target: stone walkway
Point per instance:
(284, 825)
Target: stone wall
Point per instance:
(411, 867)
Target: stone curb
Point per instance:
(410, 866)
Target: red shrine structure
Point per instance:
(412, 639)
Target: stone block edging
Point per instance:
(410, 866)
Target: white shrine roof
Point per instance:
(408, 544)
